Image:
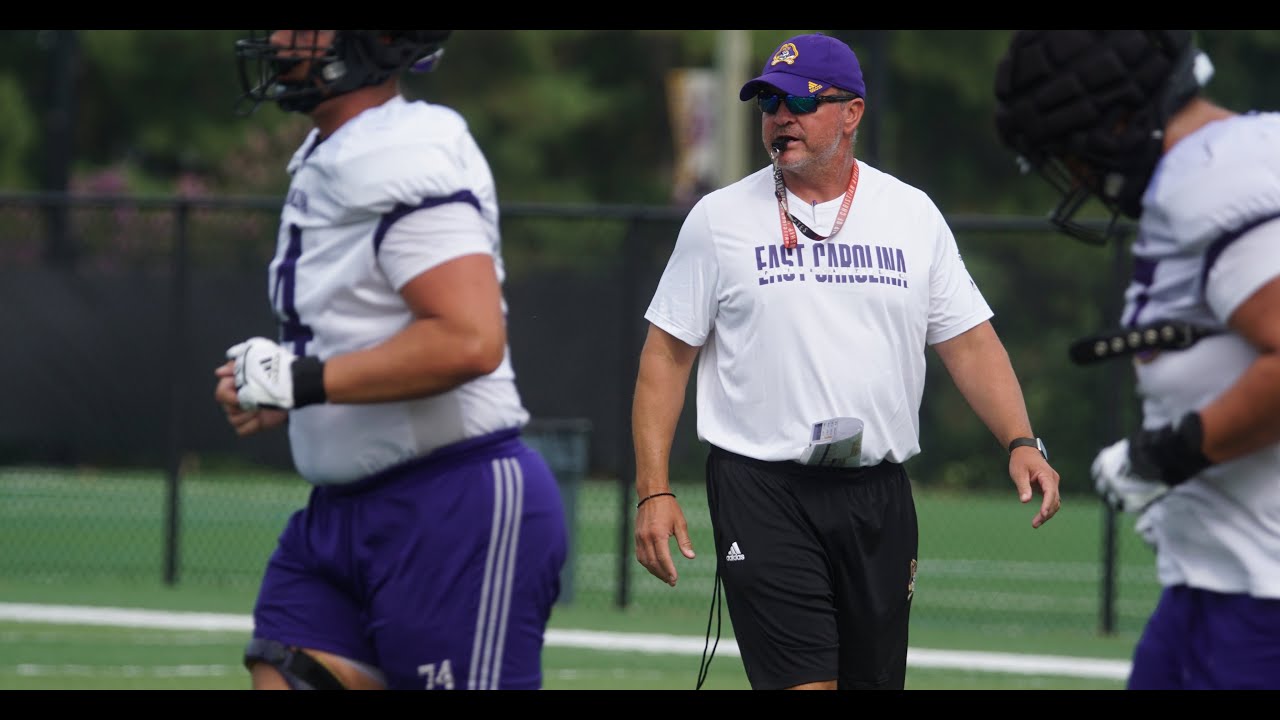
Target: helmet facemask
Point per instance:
(1077, 183)
(354, 59)
(262, 65)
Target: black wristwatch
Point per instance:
(1036, 443)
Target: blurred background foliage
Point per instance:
(577, 116)
(582, 117)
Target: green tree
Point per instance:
(19, 128)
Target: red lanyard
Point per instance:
(790, 222)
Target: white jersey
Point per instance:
(1208, 239)
(836, 328)
(397, 190)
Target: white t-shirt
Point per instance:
(836, 328)
(1209, 238)
(396, 191)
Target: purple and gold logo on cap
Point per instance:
(787, 54)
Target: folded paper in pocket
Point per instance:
(834, 443)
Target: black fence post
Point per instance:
(629, 349)
(1113, 425)
(178, 323)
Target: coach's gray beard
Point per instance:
(816, 161)
(828, 154)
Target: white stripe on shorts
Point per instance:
(499, 570)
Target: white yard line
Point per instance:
(585, 639)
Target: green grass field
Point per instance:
(38, 655)
(988, 583)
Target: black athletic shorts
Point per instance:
(818, 568)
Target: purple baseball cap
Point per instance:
(807, 65)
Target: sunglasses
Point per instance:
(797, 104)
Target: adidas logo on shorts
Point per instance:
(734, 553)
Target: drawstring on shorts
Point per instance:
(716, 612)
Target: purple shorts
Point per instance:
(441, 572)
(1202, 640)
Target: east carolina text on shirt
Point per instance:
(880, 263)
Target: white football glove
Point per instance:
(1114, 480)
(264, 374)
(1146, 524)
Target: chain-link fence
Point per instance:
(114, 460)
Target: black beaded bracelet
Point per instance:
(652, 497)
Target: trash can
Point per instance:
(564, 443)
